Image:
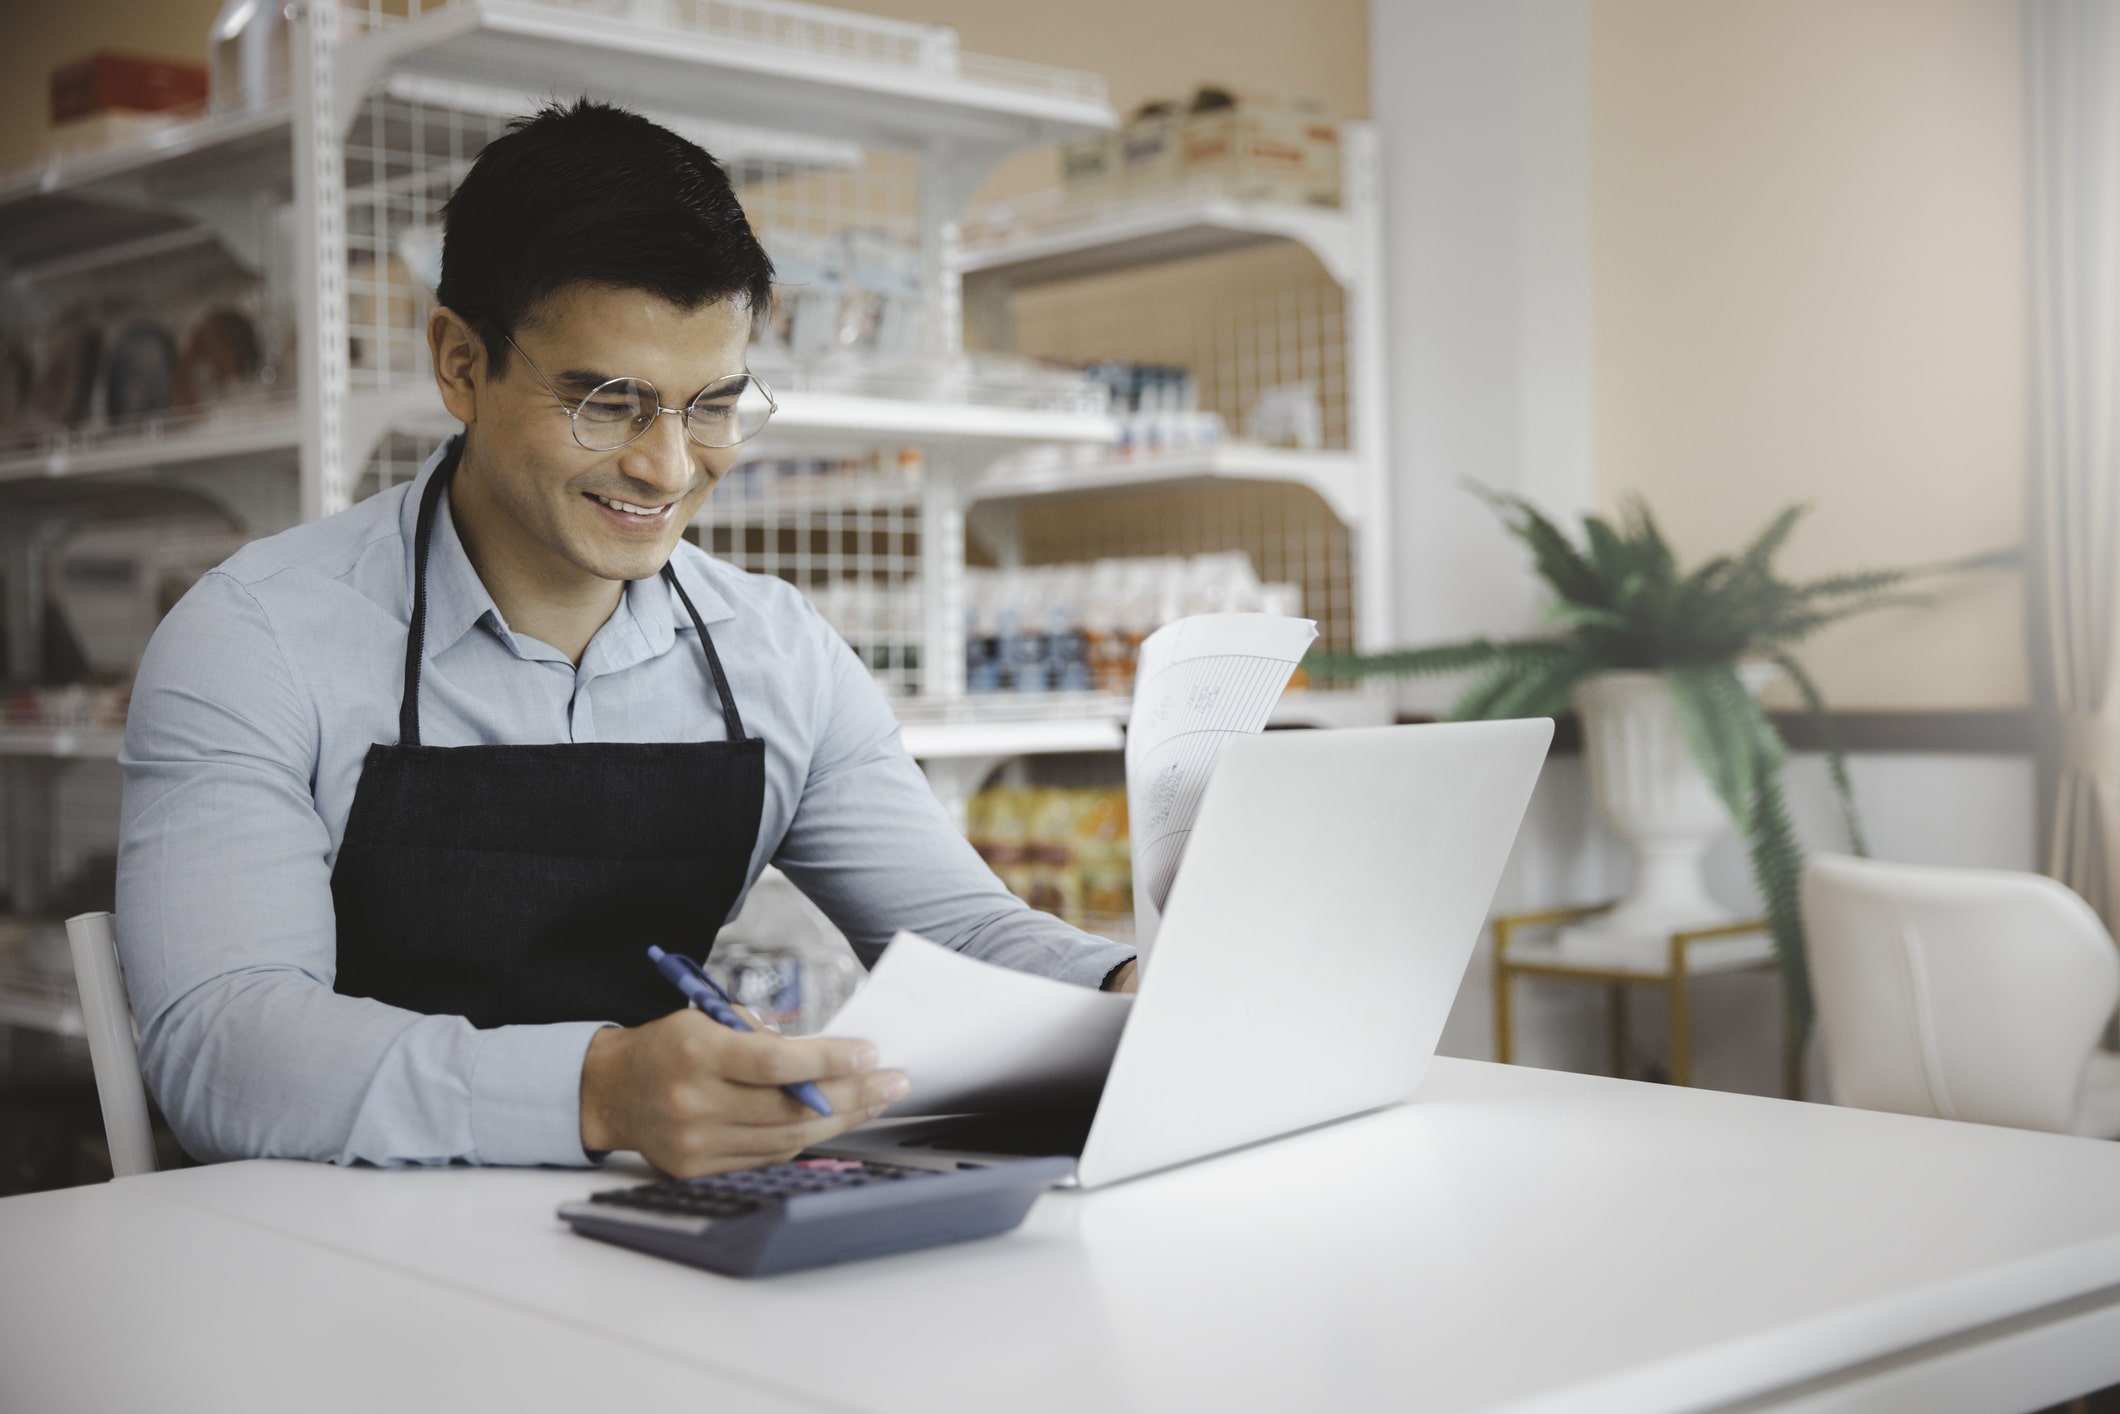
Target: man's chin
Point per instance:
(627, 562)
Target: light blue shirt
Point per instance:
(253, 708)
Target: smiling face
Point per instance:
(534, 507)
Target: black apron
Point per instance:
(523, 884)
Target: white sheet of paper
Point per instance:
(973, 1036)
(1200, 681)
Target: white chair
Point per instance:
(1968, 994)
(111, 1047)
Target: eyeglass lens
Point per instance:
(726, 412)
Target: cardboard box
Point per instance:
(108, 82)
(1262, 149)
(1150, 157)
(1089, 169)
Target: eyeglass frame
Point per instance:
(684, 414)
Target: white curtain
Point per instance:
(2073, 71)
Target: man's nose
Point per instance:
(662, 457)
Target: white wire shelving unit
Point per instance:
(1074, 256)
(844, 132)
(828, 121)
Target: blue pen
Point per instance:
(706, 994)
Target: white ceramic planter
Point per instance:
(1655, 796)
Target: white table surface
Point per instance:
(1514, 1240)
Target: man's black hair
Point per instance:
(593, 194)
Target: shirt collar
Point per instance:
(648, 616)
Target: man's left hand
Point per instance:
(1125, 979)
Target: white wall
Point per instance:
(1486, 165)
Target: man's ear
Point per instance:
(459, 358)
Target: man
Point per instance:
(410, 790)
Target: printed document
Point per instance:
(1200, 682)
(973, 1036)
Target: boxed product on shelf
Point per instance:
(1262, 147)
(1258, 146)
(109, 100)
(1089, 169)
(109, 82)
(1063, 851)
(1150, 148)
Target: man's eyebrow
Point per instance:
(743, 374)
(583, 377)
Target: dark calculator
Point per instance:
(813, 1211)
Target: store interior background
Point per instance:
(1723, 257)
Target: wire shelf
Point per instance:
(792, 29)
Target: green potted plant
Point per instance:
(1664, 666)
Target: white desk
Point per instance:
(1517, 1240)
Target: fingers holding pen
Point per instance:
(853, 1099)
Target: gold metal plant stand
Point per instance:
(1516, 957)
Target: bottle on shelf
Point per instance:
(1078, 627)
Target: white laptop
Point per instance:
(1332, 891)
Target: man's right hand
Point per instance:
(695, 1097)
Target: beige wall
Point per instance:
(1162, 49)
(1808, 284)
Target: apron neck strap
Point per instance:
(416, 633)
(729, 717)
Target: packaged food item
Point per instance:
(1064, 851)
(1262, 147)
(1089, 169)
(143, 363)
(1150, 149)
(67, 359)
(110, 82)
(221, 358)
(16, 372)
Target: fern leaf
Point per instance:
(1738, 749)
(1607, 550)
(1759, 555)
(1656, 556)
(1404, 662)
(1718, 737)
(1836, 754)
(1558, 562)
(1543, 691)
(1777, 867)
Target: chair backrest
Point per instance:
(111, 1048)
(1967, 994)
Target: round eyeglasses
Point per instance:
(722, 414)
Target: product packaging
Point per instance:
(107, 82)
(1151, 149)
(1262, 147)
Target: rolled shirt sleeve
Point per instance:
(227, 931)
